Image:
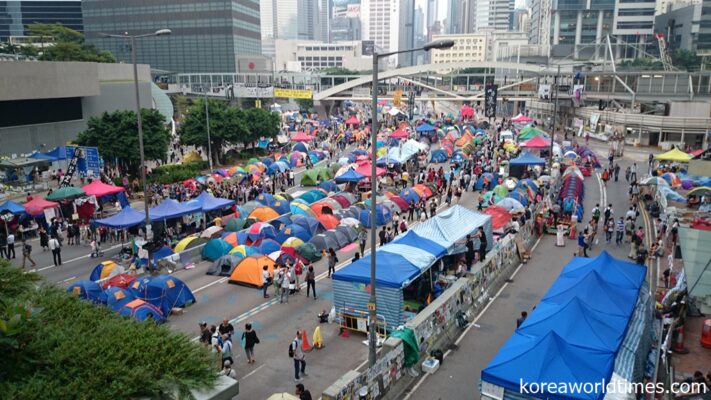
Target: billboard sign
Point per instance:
(293, 93)
(368, 47)
(257, 92)
(353, 11)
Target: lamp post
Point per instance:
(132, 39)
(555, 114)
(207, 126)
(372, 331)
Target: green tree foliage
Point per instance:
(116, 136)
(641, 63)
(305, 104)
(68, 44)
(685, 59)
(171, 173)
(71, 349)
(228, 125)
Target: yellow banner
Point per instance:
(293, 93)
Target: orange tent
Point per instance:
(231, 238)
(249, 271)
(467, 138)
(263, 214)
(329, 221)
(422, 189)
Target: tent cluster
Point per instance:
(404, 259)
(457, 143)
(572, 192)
(593, 321)
(148, 298)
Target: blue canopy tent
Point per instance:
(170, 208)
(439, 156)
(12, 208)
(208, 202)
(141, 310)
(590, 323)
(349, 176)
(425, 128)
(518, 165)
(167, 292)
(126, 218)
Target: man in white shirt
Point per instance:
(10, 246)
(56, 248)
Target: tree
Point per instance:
(305, 104)
(71, 348)
(261, 123)
(685, 59)
(116, 136)
(68, 44)
(227, 125)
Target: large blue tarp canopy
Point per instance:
(452, 225)
(527, 159)
(12, 208)
(575, 333)
(394, 270)
(127, 218)
(425, 128)
(208, 202)
(350, 176)
(170, 208)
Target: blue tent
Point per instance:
(529, 183)
(279, 166)
(167, 292)
(268, 246)
(382, 216)
(280, 222)
(126, 218)
(397, 274)
(329, 186)
(425, 128)
(410, 195)
(412, 239)
(208, 202)
(44, 156)
(87, 290)
(115, 297)
(142, 311)
(527, 159)
(312, 196)
(385, 161)
(576, 332)
(266, 199)
(293, 230)
(281, 207)
(458, 156)
(12, 208)
(161, 253)
(309, 224)
(518, 196)
(215, 249)
(439, 156)
(170, 208)
(301, 147)
(349, 176)
(493, 180)
(138, 287)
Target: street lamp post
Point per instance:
(555, 114)
(132, 39)
(207, 125)
(372, 312)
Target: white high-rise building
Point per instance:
(487, 14)
(290, 19)
(381, 19)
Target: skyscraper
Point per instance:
(207, 35)
(15, 16)
(325, 13)
(346, 20)
(454, 19)
(488, 15)
(703, 46)
(381, 19)
(407, 31)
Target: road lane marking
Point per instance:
(67, 280)
(72, 260)
(210, 284)
(253, 372)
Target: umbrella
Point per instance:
(67, 192)
(654, 181)
(700, 191)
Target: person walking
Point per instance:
(27, 254)
(44, 239)
(332, 260)
(226, 350)
(483, 243)
(609, 228)
(583, 249)
(297, 354)
(249, 338)
(56, 248)
(310, 281)
(362, 239)
(266, 281)
(11, 246)
(284, 280)
(633, 172)
(382, 237)
(619, 231)
(616, 171)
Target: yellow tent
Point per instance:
(673, 155)
(184, 243)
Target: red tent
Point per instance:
(37, 206)
(467, 111)
(499, 216)
(301, 137)
(521, 119)
(537, 142)
(121, 280)
(399, 134)
(353, 120)
(365, 169)
(99, 189)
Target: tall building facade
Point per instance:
(346, 21)
(576, 23)
(454, 18)
(407, 32)
(381, 19)
(488, 15)
(15, 16)
(634, 24)
(703, 44)
(325, 14)
(207, 35)
(680, 26)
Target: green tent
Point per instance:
(501, 191)
(309, 252)
(310, 177)
(324, 173)
(253, 160)
(409, 341)
(335, 167)
(68, 192)
(530, 133)
(235, 224)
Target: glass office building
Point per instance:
(703, 46)
(15, 16)
(577, 23)
(207, 35)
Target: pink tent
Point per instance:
(521, 119)
(301, 137)
(37, 206)
(353, 120)
(467, 111)
(99, 189)
(365, 169)
(537, 142)
(399, 134)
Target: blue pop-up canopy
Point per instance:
(12, 208)
(425, 128)
(349, 176)
(395, 270)
(208, 202)
(127, 218)
(527, 159)
(170, 208)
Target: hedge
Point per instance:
(60, 347)
(171, 173)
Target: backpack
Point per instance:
(291, 350)
(403, 226)
(596, 213)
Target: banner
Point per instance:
(71, 168)
(346, 8)
(257, 92)
(544, 92)
(293, 93)
(353, 11)
(578, 94)
(490, 101)
(368, 47)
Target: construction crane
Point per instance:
(663, 53)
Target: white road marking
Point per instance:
(253, 372)
(210, 284)
(68, 279)
(73, 259)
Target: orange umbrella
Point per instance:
(263, 214)
(426, 190)
(329, 221)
